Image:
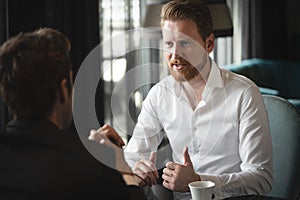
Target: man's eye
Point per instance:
(184, 43)
(168, 44)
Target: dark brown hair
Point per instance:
(32, 66)
(193, 10)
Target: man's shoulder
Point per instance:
(235, 80)
(166, 83)
(167, 80)
(63, 149)
(162, 88)
(64, 145)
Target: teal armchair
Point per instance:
(274, 77)
(284, 119)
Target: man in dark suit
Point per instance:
(39, 158)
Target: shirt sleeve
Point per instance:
(147, 134)
(255, 150)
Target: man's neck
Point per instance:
(194, 87)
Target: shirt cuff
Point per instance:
(218, 184)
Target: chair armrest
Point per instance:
(269, 91)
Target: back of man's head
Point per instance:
(32, 66)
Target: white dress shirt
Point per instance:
(227, 134)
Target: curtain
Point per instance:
(268, 29)
(77, 19)
(260, 29)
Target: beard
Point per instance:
(188, 72)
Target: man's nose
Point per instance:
(176, 52)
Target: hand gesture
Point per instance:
(121, 165)
(145, 171)
(110, 133)
(177, 177)
(101, 135)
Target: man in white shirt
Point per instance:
(219, 116)
(215, 120)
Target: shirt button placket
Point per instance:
(194, 132)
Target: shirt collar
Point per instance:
(214, 77)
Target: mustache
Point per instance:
(179, 62)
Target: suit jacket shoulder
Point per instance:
(39, 161)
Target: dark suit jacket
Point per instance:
(39, 161)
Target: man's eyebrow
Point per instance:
(184, 37)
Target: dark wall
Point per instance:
(293, 29)
(78, 19)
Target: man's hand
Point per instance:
(145, 171)
(110, 133)
(121, 164)
(177, 177)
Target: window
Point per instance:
(121, 53)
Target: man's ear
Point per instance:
(210, 43)
(63, 91)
